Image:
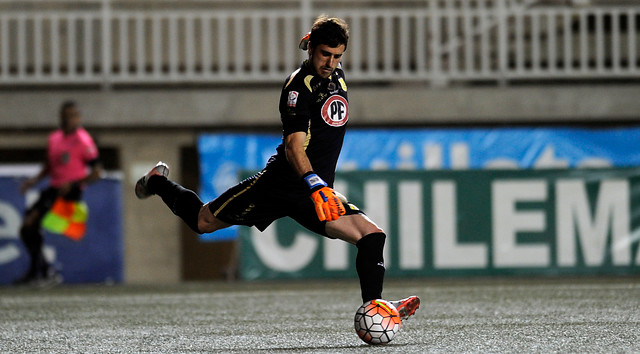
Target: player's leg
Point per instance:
(183, 202)
(369, 239)
(359, 230)
(32, 238)
(236, 206)
(356, 228)
(207, 222)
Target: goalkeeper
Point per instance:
(297, 181)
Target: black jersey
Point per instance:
(319, 107)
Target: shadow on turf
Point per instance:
(324, 347)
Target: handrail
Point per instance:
(108, 42)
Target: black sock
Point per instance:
(183, 202)
(370, 265)
(32, 239)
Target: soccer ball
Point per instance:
(377, 322)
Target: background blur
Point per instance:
(168, 80)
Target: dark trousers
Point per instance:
(31, 233)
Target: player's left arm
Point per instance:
(91, 157)
(95, 171)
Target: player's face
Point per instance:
(325, 59)
(70, 119)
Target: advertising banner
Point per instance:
(222, 156)
(96, 257)
(472, 222)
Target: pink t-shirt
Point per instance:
(69, 154)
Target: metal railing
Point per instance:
(112, 42)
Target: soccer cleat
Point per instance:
(142, 190)
(49, 280)
(407, 307)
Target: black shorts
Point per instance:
(261, 199)
(49, 195)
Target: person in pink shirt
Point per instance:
(71, 162)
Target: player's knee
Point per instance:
(27, 231)
(208, 226)
(368, 227)
(207, 222)
(31, 220)
(203, 226)
(374, 230)
(374, 240)
(372, 245)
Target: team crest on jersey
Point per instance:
(335, 111)
(293, 98)
(332, 87)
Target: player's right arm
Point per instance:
(30, 182)
(328, 206)
(294, 150)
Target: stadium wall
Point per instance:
(147, 125)
(407, 104)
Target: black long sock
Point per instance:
(33, 240)
(370, 265)
(183, 202)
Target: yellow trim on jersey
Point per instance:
(308, 138)
(291, 78)
(236, 195)
(307, 82)
(343, 84)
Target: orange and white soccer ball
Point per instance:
(377, 322)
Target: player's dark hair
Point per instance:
(330, 31)
(66, 105)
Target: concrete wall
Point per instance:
(148, 125)
(391, 105)
(151, 231)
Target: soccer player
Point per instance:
(72, 161)
(297, 181)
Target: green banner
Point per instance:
(472, 222)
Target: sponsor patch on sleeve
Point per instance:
(293, 98)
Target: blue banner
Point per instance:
(97, 257)
(510, 148)
(222, 156)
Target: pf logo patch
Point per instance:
(335, 111)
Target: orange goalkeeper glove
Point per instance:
(328, 206)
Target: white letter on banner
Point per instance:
(9, 230)
(376, 196)
(276, 257)
(432, 156)
(507, 222)
(548, 159)
(612, 213)
(459, 156)
(336, 252)
(410, 225)
(447, 252)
